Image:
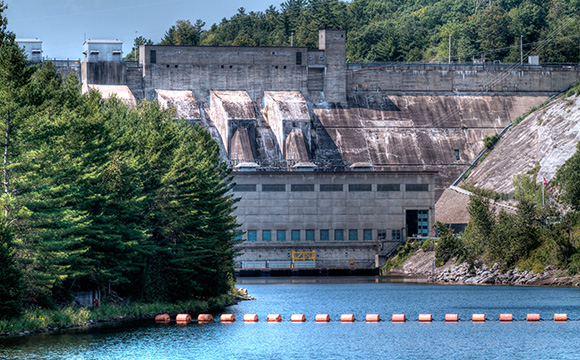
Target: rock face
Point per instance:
(422, 264)
(547, 138)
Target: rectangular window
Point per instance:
(266, 235)
(299, 58)
(324, 235)
(302, 187)
(330, 187)
(360, 187)
(244, 187)
(367, 234)
(417, 187)
(388, 187)
(252, 235)
(339, 235)
(281, 235)
(382, 234)
(153, 55)
(309, 235)
(353, 234)
(295, 235)
(238, 235)
(456, 151)
(273, 187)
(396, 235)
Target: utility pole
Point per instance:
(449, 48)
(521, 49)
(136, 45)
(292, 39)
(6, 179)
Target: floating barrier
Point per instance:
(183, 319)
(506, 317)
(274, 318)
(347, 318)
(398, 318)
(425, 318)
(533, 317)
(373, 318)
(560, 317)
(204, 318)
(451, 318)
(227, 318)
(322, 318)
(162, 318)
(478, 317)
(250, 318)
(298, 318)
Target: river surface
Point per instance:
(336, 340)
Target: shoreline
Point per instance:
(421, 264)
(52, 320)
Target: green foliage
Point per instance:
(10, 277)
(569, 179)
(490, 141)
(403, 31)
(404, 252)
(448, 246)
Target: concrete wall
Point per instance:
(426, 78)
(343, 210)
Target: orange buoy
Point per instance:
(298, 318)
(228, 318)
(478, 317)
(204, 318)
(533, 317)
(347, 318)
(451, 318)
(398, 318)
(162, 318)
(250, 318)
(373, 318)
(274, 318)
(560, 317)
(183, 319)
(322, 318)
(506, 317)
(425, 318)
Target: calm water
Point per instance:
(335, 340)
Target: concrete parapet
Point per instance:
(122, 92)
(184, 102)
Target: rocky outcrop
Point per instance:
(421, 264)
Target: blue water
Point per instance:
(335, 340)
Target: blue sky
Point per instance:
(62, 25)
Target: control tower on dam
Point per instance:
(346, 160)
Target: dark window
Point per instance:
(367, 234)
(298, 58)
(281, 235)
(153, 55)
(273, 187)
(353, 234)
(295, 235)
(238, 235)
(396, 235)
(266, 235)
(417, 187)
(302, 187)
(456, 154)
(324, 235)
(339, 235)
(244, 187)
(252, 235)
(360, 187)
(388, 187)
(382, 234)
(330, 187)
(309, 235)
(176, 66)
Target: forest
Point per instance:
(402, 30)
(100, 197)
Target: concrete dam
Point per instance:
(335, 163)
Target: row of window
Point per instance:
(324, 235)
(329, 187)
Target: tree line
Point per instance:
(97, 196)
(397, 30)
